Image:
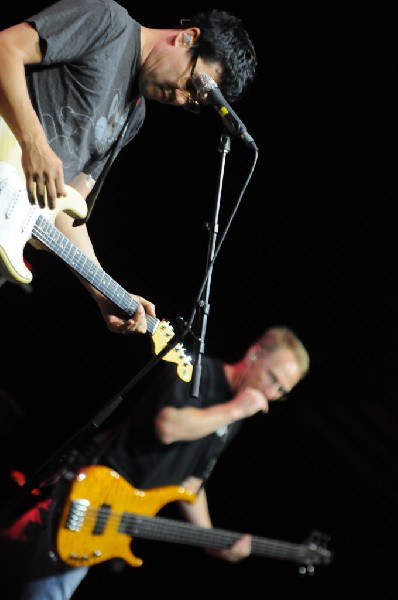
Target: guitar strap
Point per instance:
(92, 197)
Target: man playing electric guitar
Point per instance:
(168, 439)
(74, 80)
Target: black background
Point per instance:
(312, 245)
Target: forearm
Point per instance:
(116, 319)
(15, 104)
(80, 237)
(196, 512)
(189, 423)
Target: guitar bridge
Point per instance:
(77, 514)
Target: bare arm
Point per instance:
(190, 423)
(116, 320)
(43, 169)
(19, 46)
(198, 514)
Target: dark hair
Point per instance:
(224, 39)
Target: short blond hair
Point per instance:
(279, 337)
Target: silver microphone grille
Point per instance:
(204, 84)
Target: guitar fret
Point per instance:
(55, 240)
(163, 529)
(70, 253)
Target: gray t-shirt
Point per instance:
(88, 80)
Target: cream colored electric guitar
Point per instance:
(22, 223)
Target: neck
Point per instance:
(144, 43)
(151, 37)
(234, 374)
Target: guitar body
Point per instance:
(18, 217)
(103, 513)
(97, 500)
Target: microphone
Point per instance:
(208, 90)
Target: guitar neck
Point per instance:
(44, 231)
(171, 530)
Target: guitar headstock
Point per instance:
(161, 336)
(315, 552)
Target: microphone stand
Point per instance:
(203, 301)
(64, 457)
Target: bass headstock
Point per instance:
(315, 552)
(161, 336)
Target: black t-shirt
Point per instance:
(136, 455)
(142, 459)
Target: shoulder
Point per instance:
(117, 13)
(214, 366)
(67, 9)
(71, 28)
(213, 376)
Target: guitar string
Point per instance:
(70, 253)
(156, 528)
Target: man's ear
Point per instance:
(188, 37)
(253, 352)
